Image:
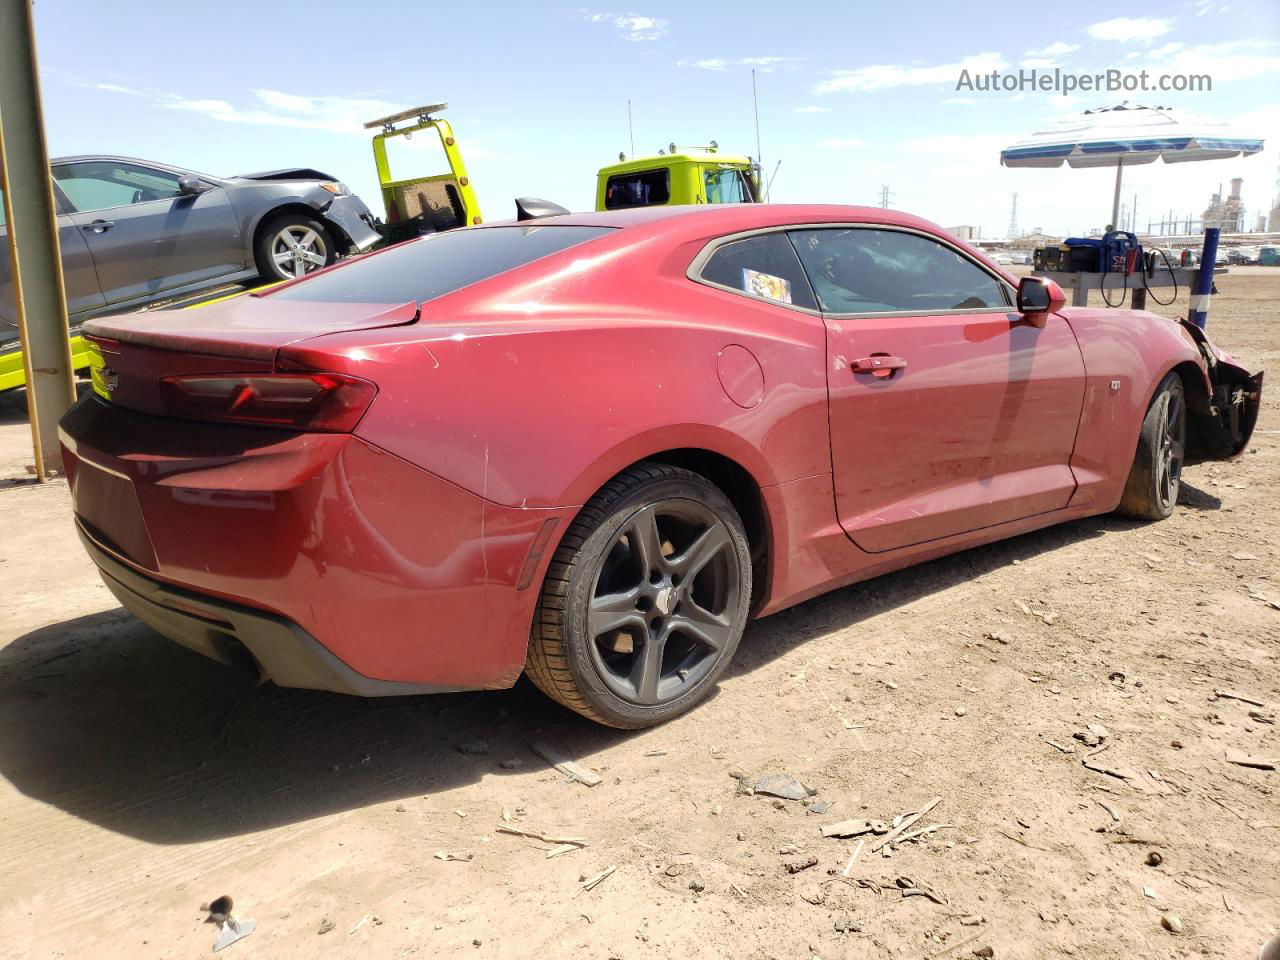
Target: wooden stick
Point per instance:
(956, 946)
(1232, 695)
(905, 824)
(561, 761)
(852, 857)
(919, 833)
(539, 835)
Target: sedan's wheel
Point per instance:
(1151, 491)
(293, 245)
(644, 601)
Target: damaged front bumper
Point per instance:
(1222, 426)
(354, 217)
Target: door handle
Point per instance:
(880, 365)
(100, 226)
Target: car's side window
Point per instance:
(866, 270)
(762, 266)
(643, 189)
(102, 184)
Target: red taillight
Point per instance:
(322, 402)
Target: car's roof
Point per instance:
(730, 217)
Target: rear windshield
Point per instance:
(438, 264)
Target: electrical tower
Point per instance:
(885, 196)
(1013, 219)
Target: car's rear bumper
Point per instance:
(335, 564)
(285, 653)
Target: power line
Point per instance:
(885, 196)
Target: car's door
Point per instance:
(949, 412)
(144, 234)
(79, 279)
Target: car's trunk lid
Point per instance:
(131, 353)
(247, 327)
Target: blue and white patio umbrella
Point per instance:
(1125, 136)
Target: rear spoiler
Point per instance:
(295, 173)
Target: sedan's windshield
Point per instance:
(424, 269)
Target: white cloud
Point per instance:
(1056, 49)
(765, 64)
(117, 88)
(812, 108)
(961, 101)
(883, 76)
(1126, 29)
(841, 143)
(275, 108)
(632, 26)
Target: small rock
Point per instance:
(844, 923)
(961, 711)
(984, 952)
(697, 886)
(742, 836)
(325, 926)
(476, 942)
(817, 807)
(511, 763)
(789, 849)
(1171, 922)
(891, 685)
(783, 785)
(401, 808)
(1055, 690)
(473, 747)
(1176, 744)
(717, 810)
(999, 637)
(674, 870)
(1154, 859)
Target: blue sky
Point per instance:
(852, 95)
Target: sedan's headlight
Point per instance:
(337, 189)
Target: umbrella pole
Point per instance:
(1115, 203)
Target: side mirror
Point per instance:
(189, 186)
(1038, 297)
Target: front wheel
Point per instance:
(292, 245)
(645, 600)
(1156, 475)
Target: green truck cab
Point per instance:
(678, 176)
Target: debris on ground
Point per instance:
(1154, 858)
(1257, 763)
(454, 857)
(844, 923)
(854, 828)
(804, 863)
(1171, 922)
(782, 785)
(473, 748)
(910, 888)
(229, 928)
(326, 925)
(590, 883)
(564, 763)
(1232, 695)
(905, 824)
(812, 893)
(1092, 735)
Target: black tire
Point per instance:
(269, 246)
(1151, 490)
(679, 594)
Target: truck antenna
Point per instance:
(630, 129)
(774, 176)
(755, 106)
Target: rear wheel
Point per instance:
(645, 600)
(291, 245)
(1151, 491)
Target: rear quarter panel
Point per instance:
(535, 390)
(1126, 355)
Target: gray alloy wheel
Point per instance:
(292, 245)
(1151, 491)
(297, 249)
(645, 601)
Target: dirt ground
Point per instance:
(138, 780)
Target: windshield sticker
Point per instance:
(766, 285)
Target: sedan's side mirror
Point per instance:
(1038, 297)
(189, 186)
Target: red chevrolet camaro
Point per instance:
(590, 447)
